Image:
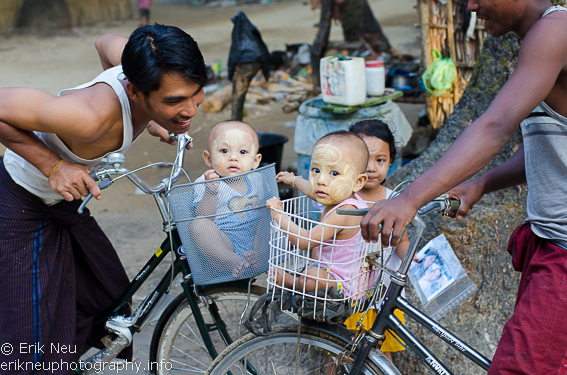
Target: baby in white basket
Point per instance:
(337, 172)
(226, 239)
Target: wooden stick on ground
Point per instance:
(243, 75)
(218, 99)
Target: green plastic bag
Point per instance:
(440, 75)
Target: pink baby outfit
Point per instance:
(337, 256)
(144, 4)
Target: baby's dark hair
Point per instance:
(352, 137)
(378, 129)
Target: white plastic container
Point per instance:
(375, 78)
(343, 80)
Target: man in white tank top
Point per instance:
(57, 268)
(534, 340)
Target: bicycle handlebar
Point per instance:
(442, 203)
(112, 167)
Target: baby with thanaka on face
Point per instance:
(225, 232)
(337, 172)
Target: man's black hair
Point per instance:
(155, 50)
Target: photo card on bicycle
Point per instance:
(439, 279)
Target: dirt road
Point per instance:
(53, 63)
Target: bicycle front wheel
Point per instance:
(180, 347)
(279, 353)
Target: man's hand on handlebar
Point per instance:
(468, 193)
(394, 214)
(72, 181)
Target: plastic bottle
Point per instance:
(343, 80)
(375, 78)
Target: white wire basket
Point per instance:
(345, 267)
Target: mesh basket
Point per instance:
(344, 267)
(224, 225)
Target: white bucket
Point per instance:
(343, 80)
(375, 78)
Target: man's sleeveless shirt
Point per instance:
(545, 152)
(27, 176)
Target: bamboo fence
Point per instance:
(443, 30)
(82, 12)
(9, 12)
(85, 13)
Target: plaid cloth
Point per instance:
(57, 269)
(534, 340)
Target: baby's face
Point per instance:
(333, 174)
(378, 162)
(232, 152)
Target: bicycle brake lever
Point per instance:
(188, 140)
(94, 176)
(106, 182)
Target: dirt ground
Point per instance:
(52, 63)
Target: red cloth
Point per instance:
(534, 340)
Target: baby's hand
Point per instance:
(211, 175)
(277, 275)
(274, 203)
(285, 177)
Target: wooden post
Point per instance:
(426, 44)
(319, 46)
(452, 48)
(425, 38)
(243, 74)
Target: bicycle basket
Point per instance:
(338, 265)
(224, 225)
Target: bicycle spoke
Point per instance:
(186, 370)
(186, 365)
(182, 345)
(197, 341)
(190, 356)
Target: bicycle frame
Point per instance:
(148, 307)
(155, 298)
(386, 320)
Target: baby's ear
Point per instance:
(207, 158)
(257, 160)
(360, 182)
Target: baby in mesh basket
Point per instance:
(226, 233)
(337, 172)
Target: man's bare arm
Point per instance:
(540, 60)
(511, 173)
(110, 47)
(25, 110)
(80, 115)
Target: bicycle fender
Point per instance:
(383, 363)
(338, 330)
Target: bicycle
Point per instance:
(312, 346)
(196, 324)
